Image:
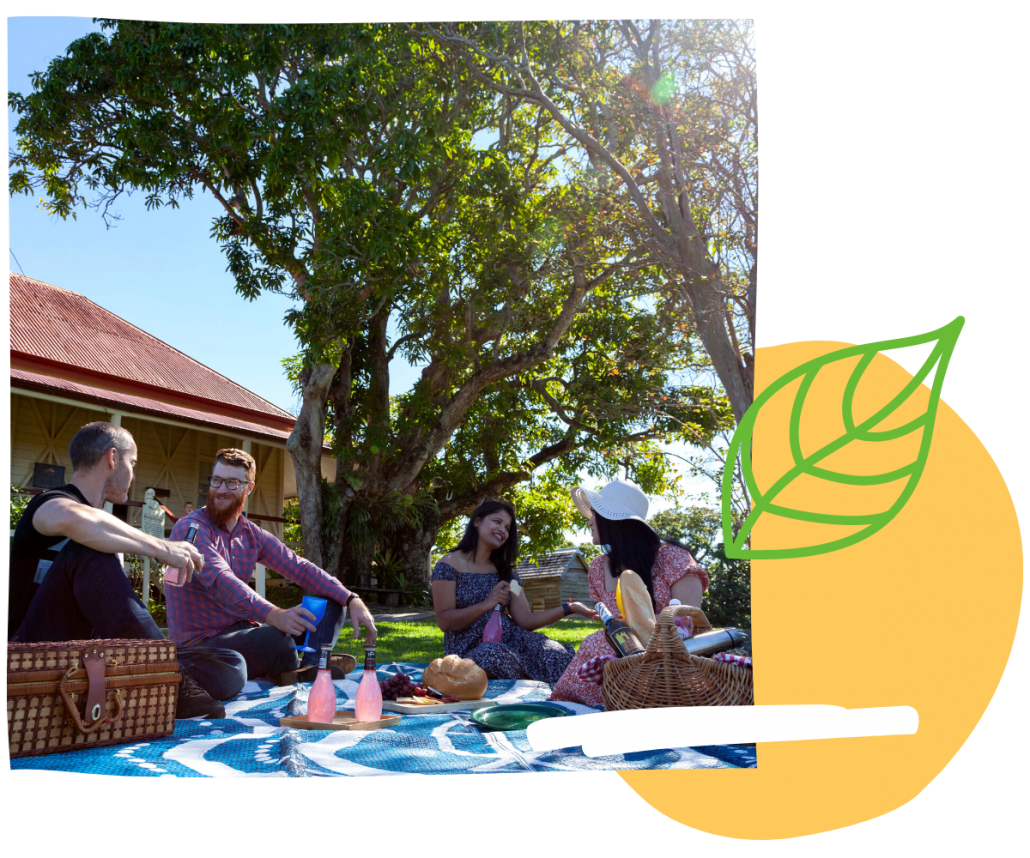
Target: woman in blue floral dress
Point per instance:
(476, 576)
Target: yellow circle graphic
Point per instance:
(922, 614)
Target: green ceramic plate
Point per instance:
(515, 716)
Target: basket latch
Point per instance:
(96, 693)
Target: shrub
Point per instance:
(19, 502)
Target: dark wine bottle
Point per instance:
(617, 633)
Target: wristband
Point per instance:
(347, 601)
(567, 608)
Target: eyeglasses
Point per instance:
(231, 485)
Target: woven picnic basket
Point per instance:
(665, 674)
(63, 696)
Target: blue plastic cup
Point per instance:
(316, 605)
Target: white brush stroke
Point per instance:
(605, 733)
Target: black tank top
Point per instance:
(31, 555)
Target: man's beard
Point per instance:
(114, 495)
(222, 514)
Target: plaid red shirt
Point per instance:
(219, 596)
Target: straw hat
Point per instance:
(617, 501)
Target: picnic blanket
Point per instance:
(248, 742)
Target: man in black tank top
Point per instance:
(67, 582)
(32, 554)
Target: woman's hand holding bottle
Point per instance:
(499, 595)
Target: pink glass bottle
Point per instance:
(177, 577)
(684, 625)
(493, 631)
(368, 705)
(322, 699)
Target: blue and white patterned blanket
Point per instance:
(249, 742)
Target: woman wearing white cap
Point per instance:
(617, 516)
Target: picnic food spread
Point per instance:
(400, 688)
(458, 677)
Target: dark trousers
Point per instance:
(85, 595)
(270, 652)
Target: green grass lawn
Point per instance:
(423, 641)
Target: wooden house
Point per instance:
(73, 362)
(553, 578)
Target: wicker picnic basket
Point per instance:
(63, 696)
(665, 674)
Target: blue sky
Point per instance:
(159, 270)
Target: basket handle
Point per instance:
(72, 712)
(665, 638)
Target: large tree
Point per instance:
(669, 110)
(365, 174)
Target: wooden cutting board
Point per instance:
(344, 720)
(434, 708)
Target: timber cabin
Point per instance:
(551, 578)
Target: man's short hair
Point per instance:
(93, 440)
(238, 459)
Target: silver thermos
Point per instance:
(710, 643)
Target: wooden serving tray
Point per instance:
(434, 708)
(344, 720)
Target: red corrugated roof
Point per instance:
(63, 328)
(131, 404)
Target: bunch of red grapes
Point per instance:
(400, 685)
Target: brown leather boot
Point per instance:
(343, 660)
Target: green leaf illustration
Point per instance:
(765, 502)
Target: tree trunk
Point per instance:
(355, 569)
(752, 302)
(305, 446)
(415, 547)
(710, 319)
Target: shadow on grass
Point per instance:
(421, 642)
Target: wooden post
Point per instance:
(145, 598)
(116, 419)
(259, 580)
(245, 446)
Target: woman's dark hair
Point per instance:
(504, 557)
(632, 545)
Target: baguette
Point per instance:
(456, 676)
(636, 605)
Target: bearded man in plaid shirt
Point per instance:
(218, 609)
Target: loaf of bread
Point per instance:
(636, 605)
(456, 676)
